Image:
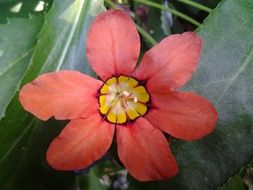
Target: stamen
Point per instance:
(111, 98)
(125, 93)
(122, 99)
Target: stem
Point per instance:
(77, 181)
(173, 11)
(196, 5)
(111, 4)
(145, 35)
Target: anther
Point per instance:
(111, 98)
(125, 93)
(135, 100)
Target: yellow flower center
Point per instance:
(122, 99)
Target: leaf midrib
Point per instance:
(237, 74)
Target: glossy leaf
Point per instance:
(224, 77)
(24, 139)
(17, 42)
(22, 9)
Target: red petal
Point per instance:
(171, 63)
(113, 44)
(183, 115)
(63, 94)
(80, 143)
(145, 152)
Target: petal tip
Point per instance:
(23, 98)
(189, 116)
(113, 44)
(195, 38)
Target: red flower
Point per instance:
(139, 102)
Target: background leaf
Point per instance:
(12, 9)
(153, 24)
(235, 183)
(17, 42)
(23, 138)
(149, 19)
(225, 77)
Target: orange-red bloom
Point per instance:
(139, 101)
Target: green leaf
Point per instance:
(154, 23)
(17, 41)
(24, 139)
(235, 183)
(22, 9)
(224, 77)
(149, 19)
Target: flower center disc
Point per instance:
(123, 98)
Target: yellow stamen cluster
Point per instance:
(123, 98)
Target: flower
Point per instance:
(139, 102)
